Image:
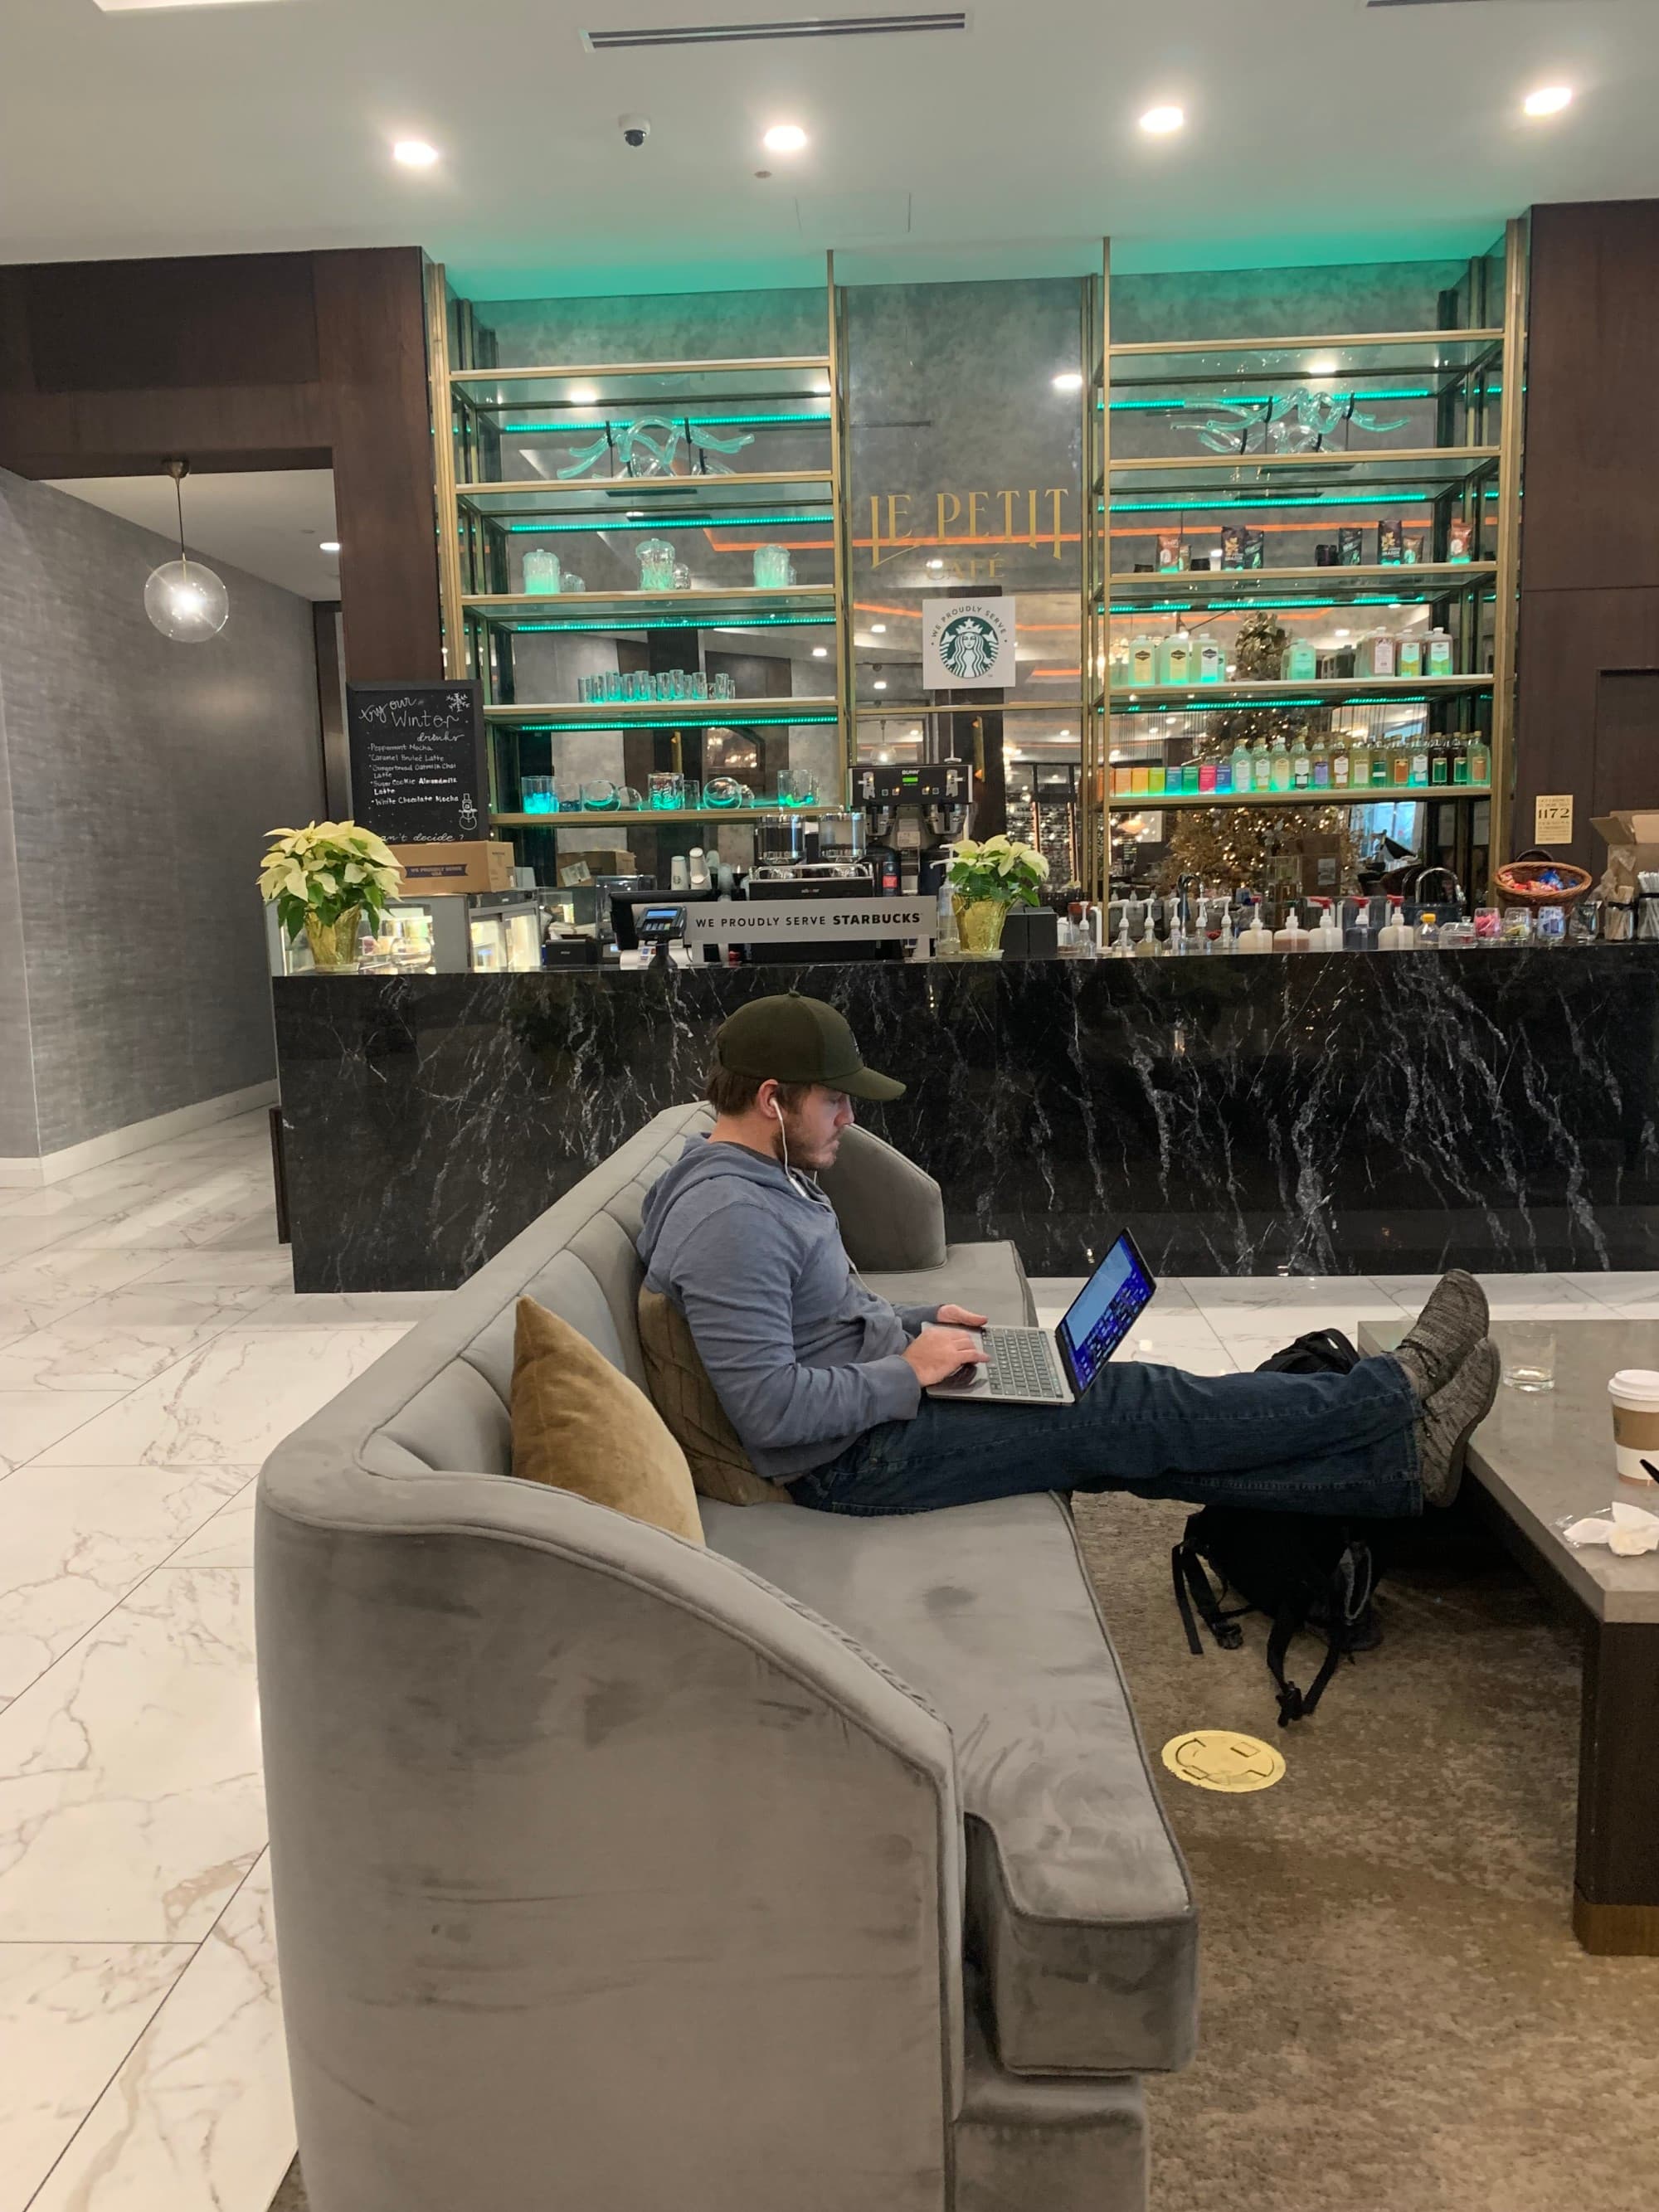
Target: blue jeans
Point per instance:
(1315, 1443)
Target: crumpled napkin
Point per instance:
(1629, 1530)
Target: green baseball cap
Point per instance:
(791, 1039)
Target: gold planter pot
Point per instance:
(334, 944)
(979, 926)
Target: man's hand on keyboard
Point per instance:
(959, 1317)
(939, 1352)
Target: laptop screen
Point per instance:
(1105, 1310)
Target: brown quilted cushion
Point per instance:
(578, 1424)
(686, 1398)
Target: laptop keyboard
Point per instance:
(1019, 1364)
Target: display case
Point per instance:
(645, 574)
(1303, 554)
(450, 933)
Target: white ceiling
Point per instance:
(1319, 130)
(269, 522)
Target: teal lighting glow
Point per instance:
(1200, 505)
(696, 422)
(689, 621)
(673, 722)
(1233, 703)
(657, 521)
(1253, 400)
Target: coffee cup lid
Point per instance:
(1637, 1386)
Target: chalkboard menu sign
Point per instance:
(418, 769)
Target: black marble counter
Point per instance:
(1321, 1112)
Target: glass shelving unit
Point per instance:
(1370, 446)
(588, 463)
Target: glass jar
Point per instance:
(772, 570)
(656, 559)
(667, 791)
(538, 795)
(541, 572)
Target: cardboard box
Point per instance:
(483, 864)
(1632, 841)
(603, 860)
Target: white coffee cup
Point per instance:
(1635, 1394)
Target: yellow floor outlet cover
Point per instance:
(1216, 1759)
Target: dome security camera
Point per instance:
(635, 128)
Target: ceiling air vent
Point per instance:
(798, 26)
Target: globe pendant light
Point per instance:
(184, 599)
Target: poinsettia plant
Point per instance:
(325, 870)
(1000, 869)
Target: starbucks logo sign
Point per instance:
(967, 643)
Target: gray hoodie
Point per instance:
(804, 1357)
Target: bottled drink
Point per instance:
(1322, 765)
(1420, 760)
(1382, 772)
(1479, 759)
(1301, 765)
(1279, 763)
(1243, 767)
(1399, 763)
(1341, 765)
(1460, 760)
(1261, 765)
(1440, 760)
(1359, 764)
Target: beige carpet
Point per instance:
(1396, 2017)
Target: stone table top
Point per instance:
(1544, 1455)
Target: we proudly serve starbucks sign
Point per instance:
(967, 643)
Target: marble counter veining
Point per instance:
(1309, 1112)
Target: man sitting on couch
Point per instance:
(824, 1382)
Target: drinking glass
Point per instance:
(539, 794)
(600, 795)
(771, 568)
(698, 686)
(571, 581)
(682, 575)
(667, 790)
(1529, 1349)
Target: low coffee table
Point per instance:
(1536, 1457)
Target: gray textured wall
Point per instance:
(18, 1128)
(143, 776)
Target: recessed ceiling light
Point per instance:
(784, 138)
(582, 395)
(878, 629)
(880, 684)
(935, 564)
(414, 152)
(329, 545)
(1548, 100)
(1324, 366)
(1160, 121)
(820, 653)
(1069, 380)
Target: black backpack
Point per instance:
(1305, 1571)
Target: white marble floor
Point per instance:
(152, 1351)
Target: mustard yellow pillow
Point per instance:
(578, 1424)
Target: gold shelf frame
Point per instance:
(1485, 343)
(470, 617)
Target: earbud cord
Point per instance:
(783, 1139)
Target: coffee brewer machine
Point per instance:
(912, 814)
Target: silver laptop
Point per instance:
(1054, 1367)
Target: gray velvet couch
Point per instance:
(818, 1872)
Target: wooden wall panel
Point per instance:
(247, 361)
(1590, 547)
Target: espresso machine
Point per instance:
(911, 814)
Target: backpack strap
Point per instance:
(1293, 1704)
(1192, 1588)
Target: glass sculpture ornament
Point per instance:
(1292, 422)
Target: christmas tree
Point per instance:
(1258, 846)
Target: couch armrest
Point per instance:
(890, 1213)
(594, 1858)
